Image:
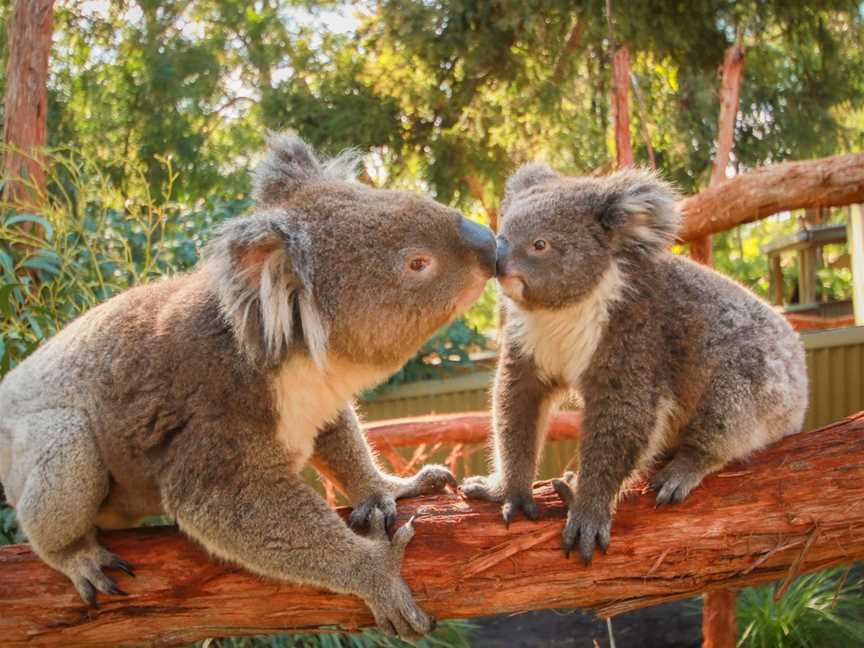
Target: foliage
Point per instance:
(448, 634)
(819, 610)
(86, 241)
(445, 353)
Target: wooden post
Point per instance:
(806, 276)
(776, 280)
(856, 252)
(730, 90)
(719, 623)
(25, 129)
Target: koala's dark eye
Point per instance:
(418, 264)
(540, 245)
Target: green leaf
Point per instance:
(7, 263)
(37, 263)
(32, 218)
(7, 307)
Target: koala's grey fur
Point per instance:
(204, 395)
(666, 355)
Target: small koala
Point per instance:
(666, 355)
(204, 395)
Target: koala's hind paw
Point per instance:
(674, 482)
(489, 489)
(587, 526)
(390, 599)
(86, 573)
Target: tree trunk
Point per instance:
(730, 90)
(793, 508)
(830, 182)
(621, 101)
(26, 127)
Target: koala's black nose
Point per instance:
(500, 256)
(481, 240)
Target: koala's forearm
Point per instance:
(343, 454)
(616, 437)
(266, 519)
(521, 407)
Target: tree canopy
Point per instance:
(447, 95)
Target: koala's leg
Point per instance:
(521, 407)
(257, 513)
(720, 431)
(342, 452)
(60, 498)
(616, 431)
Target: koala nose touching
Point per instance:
(479, 240)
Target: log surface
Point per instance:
(827, 182)
(796, 507)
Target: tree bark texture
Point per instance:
(25, 129)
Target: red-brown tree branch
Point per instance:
(831, 182)
(468, 427)
(25, 128)
(796, 507)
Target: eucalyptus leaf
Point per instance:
(32, 218)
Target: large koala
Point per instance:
(203, 396)
(666, 355)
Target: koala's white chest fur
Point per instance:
(307, 398)
(563, 341)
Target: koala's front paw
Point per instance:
(512, 500)
(588, 524)
(388, 596)
(431, 479)
(361, 515)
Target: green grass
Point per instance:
(820, 610)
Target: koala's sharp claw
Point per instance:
(530, 509)
(122, 565)
(88, 594)
(113, 589)
(562, 490)
(507, 513)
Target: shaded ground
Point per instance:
(674, 625)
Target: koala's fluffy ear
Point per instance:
(527, 176)
(263, 277)
(289, 163)
(640, 210)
